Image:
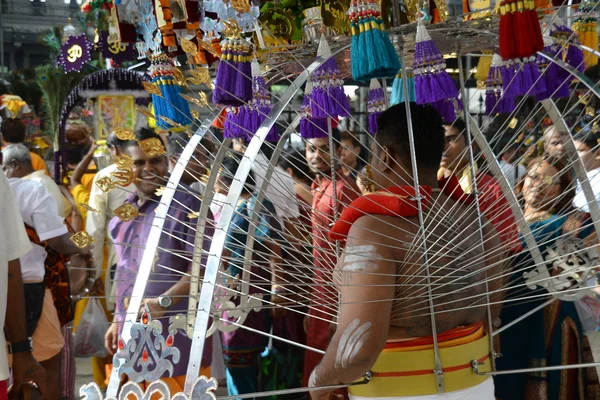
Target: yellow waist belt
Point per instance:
(407, 372)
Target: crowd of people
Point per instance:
(291, 218)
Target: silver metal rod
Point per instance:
(508, 193)
(439, 370)
(332, 156)
(541, 369)
(279, 392)
(2, 42)
(218, 242)
(199, 238)
(522, 317)
(270, 335)
(469, 139)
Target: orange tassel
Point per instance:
(219, 122)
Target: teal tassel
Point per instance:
(373, 56)
(397, 96)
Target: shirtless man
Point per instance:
(384, 323)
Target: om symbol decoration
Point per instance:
(116, 48)
(75, 53)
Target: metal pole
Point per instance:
(439, 370)
(469, 140)
(1, 41)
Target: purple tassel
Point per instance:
(232, 126)
(432, 82)
(575, 58)
(373, 126)
(491, 100)
(446, 110)
(251, 116)
(313, 128)
(375, 104)
(506, 104)
(233, 84)
(329, 99)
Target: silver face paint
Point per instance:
(361, 259)
(312, 380)
(351, 342)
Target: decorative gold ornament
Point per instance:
(195, 114)
(201, 76)
(105, 184)
(124, 177)
(241, 6)
(365, 179)
(144, 111)
(127, 212)
(159, 191)
(124, 161)
(188, 46)
(201, 102)
(203, 99)
(125, 134)
(179, 77)
(88, 208)
(171, 122)
(278, 26)
(152, 147)
(334, 15)
(152, 88)
(82, 239)
(513, 123)
(193, 215)
(232, 29)
(206, 46)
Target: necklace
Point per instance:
(538, 217)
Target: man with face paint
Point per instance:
(324, 212)
(384, 322)
(168, 285)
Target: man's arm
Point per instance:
(367, 292)
(97, 222)
(25, 367)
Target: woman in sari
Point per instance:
(242, 348)
(551, 336)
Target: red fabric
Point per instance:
(456, 333)
(496, 210)
(324, 260)
(493, 205)
(3, 390)
(381, 203)
(396, 201)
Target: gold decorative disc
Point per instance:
(127, 212)
(152, 147)
(124, 177)
(125, 133)
(82, 239)
(105, 184)
(124, 161)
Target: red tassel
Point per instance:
(537, 40)
(520, 33)
(507, 42)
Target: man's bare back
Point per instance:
(457, 268)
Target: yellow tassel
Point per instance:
(483, 66)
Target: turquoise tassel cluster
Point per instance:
(372, 53)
